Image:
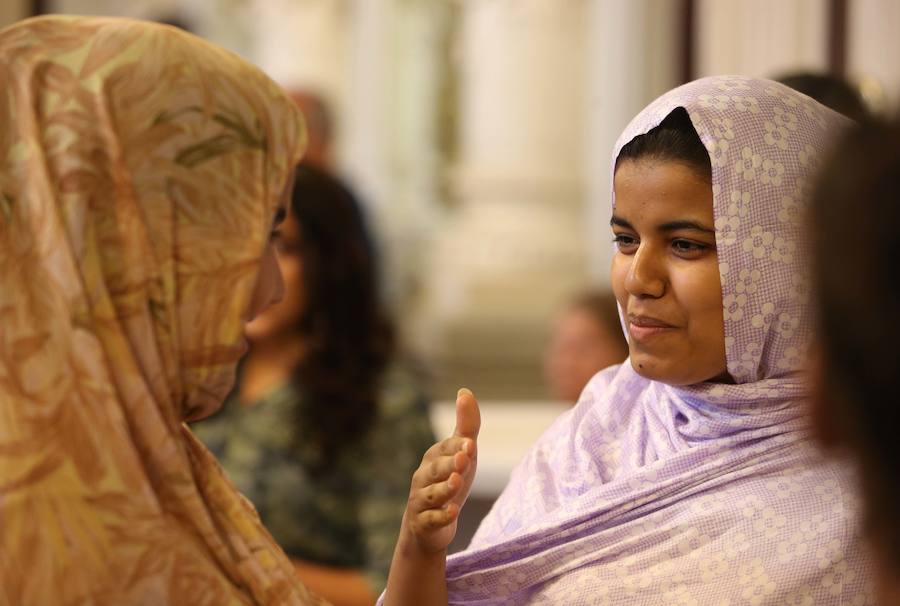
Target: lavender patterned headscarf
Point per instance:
(709, 494)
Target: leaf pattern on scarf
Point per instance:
(141, 169)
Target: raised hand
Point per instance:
(439, 489)
(441, 484)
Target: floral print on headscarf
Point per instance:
(647, 493)
(141, 169)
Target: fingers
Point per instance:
(434, 519)
(450, 446)
(439, 468)
(468, 417)
(441, 483)
(435, 496)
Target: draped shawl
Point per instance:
(709, 494)
(140, 171)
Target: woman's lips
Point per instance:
(644, 328)
(243, 346)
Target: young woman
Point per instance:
(325, 425)
(685, 475)
(142, 172)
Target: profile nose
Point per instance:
(278, 290)
(646, 275)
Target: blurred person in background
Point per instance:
(142, 172)
(319, 128)
(829, 90)
(325, 424)
(586, 338)
(855, 217)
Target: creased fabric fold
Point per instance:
(141, 169)
(710, 494)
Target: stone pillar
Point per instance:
(14, 10)
(392, 153)
(872, 49)
(632, 59)
(514, 249)
(303, 44)
(761, 38)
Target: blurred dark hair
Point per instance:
(673, 139)
(350, 336)
(829, 90)
(855, 217)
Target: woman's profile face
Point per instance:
(280, 320)
(665, 272)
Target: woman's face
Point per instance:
(267, 291)
(271, 282)
(280, 320)
(665, 273)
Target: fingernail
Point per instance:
(463, 391)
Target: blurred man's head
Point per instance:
(829, 90)
(319, 128)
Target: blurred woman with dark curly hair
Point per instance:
(324, 426)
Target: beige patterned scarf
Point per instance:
(140, 170)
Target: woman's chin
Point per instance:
(257, 329)
(665, 371)
(645, 368)
(206, 397)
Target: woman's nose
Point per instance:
(646, 274)
(279, 288)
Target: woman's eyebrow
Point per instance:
(620, 222)
(667, 226)
(685, 224)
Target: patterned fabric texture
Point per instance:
(710, 494)
(140, 173)
(347, 515)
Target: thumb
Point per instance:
(468, 417)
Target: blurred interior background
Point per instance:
(478, 135)
(478, 132)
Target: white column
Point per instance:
(390, 142)
(13, 10)
(515, 247)
(141, 9)
(632, 59)
(367, 112)
(873, 47)
(302, 44)
(761, 38)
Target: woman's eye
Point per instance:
(688, 247)
(625, 243)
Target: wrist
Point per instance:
(410, 547)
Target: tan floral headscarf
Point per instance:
(140, 168)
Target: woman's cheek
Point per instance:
(617, 275)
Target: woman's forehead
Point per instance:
(663, 190)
